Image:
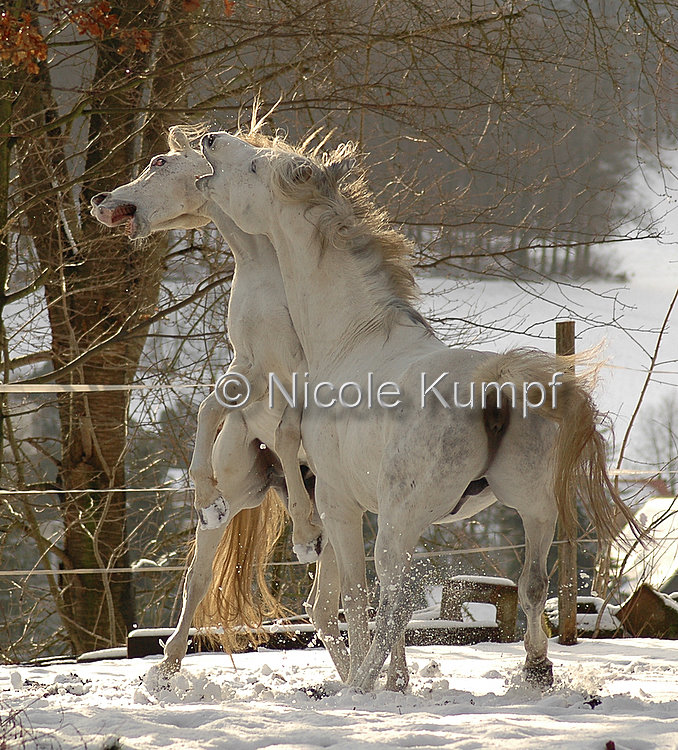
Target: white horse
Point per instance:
(397, 422)
(163, 197)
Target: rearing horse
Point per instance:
(230, 472)
(438, 441)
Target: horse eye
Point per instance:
(158, 162)
(210, 138)
(253, 167)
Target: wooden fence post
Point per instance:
(567, 550)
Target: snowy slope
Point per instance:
(624, 317)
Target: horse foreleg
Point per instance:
(323, 609)
(398, 675)
(392, 553)
(211, 416)
(343, 525)
(196, 585)
(306, 536)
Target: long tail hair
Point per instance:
(239, 594)
(580, 467)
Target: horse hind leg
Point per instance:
(199, 574)
(197, 583)
(238, 467)
(528, 489)
(323, 609)
(532, 592)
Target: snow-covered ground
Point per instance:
(464, 697)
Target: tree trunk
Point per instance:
(99, 283)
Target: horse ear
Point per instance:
(302, 171)
(178, 139)
(341, 161)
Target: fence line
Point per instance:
(85, 571)
(85, 490)
(94, 388)
(282, 563)
(640, 472)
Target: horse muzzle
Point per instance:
(112, 213)
(203, 183)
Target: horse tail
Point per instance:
(580, 466)
(239, 596)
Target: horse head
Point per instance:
(164, 196)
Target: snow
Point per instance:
(657, 563)
(466, 697)
(587, 621)
(624, 318)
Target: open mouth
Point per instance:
(124, 214)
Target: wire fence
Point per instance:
(96, 388)
(25, 595)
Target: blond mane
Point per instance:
(239, 598)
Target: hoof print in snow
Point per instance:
(316, 692)
(157, 679)
(432, 669)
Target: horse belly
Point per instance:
(345, 451)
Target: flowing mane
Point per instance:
(335, 183)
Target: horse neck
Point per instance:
(334, 307)
(258, 319)
(246, 248)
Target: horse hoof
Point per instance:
(168, 667)
(307, 553)
(539, 675)
(215, 515)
